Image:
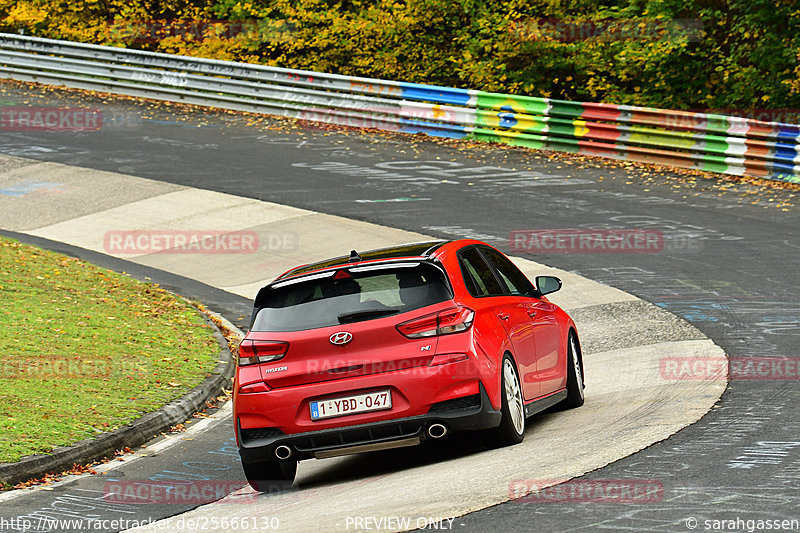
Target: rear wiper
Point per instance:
(356, 316)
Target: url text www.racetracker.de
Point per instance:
(174, 524)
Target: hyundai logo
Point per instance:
(341, 337)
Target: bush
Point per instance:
(680, 54)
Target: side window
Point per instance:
(515, 280)
(478, 276)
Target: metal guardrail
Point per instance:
(716, 143)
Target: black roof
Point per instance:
(417, 249)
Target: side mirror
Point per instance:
(547, 284)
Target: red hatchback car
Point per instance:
(391, 347)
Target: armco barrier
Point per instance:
(716, 143)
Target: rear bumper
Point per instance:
(460, 414)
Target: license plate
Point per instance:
(349, 405)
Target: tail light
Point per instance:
(259, 386)
(453, 320)
(254, 351)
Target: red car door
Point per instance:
(511, 310)
(506, 311)
(550, 363)
(536, 318)
(513, 313)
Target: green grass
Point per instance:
(85, 350)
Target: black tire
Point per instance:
(270, 476)
(512, 425)
(575, 384)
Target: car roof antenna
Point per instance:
(354, 257)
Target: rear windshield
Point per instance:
(352, 295)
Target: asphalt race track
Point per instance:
(729, 266)
(617, 331)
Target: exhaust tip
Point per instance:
(437, 431)
(283, 452)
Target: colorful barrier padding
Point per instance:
(715, 143)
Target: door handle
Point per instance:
(531, 314)
(503, 316)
